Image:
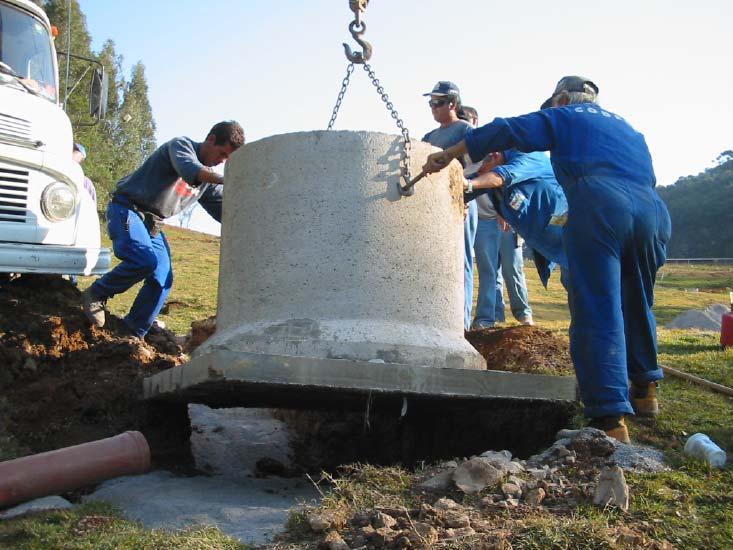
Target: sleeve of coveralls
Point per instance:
(211, 200)
(532, 132)
(518, 167)
(184, 160)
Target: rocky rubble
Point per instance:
(466, 502)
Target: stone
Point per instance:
(380, 519)
(475, 475)
(534, 497)
(440, 482)
(445, 504)
(511, 490)
(423, 535)
(322, 522)
(382, 536)
(460, 533)
(45, 503)
(333, 541)
(30, 364)
(537, 473)
(360, 519)
(611, 489)
(455, 519)
(590, 442)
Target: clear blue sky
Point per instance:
(276, 66)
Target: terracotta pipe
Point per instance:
(61, 470)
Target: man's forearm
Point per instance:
(488, 180)
(207, 175)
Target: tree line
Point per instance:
(119, 143)
(700, 207)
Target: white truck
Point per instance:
(48, 221)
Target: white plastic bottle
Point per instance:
(700, 446)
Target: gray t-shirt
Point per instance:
(448, 136)
(166, 183)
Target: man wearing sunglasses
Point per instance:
(445, 105)
(615, 240)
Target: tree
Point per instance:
(137, 136)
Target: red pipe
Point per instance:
(61, 470)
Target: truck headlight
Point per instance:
(58, 202)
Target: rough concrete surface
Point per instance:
(332, 262)
(251, 510)
(45, 503)
(709, 318)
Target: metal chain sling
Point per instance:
(357, 28)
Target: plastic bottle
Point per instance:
(701, 446)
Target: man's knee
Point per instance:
(145, 262)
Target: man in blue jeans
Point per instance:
(615, 240)
(445, 105)
(511, 274)
(174, 177)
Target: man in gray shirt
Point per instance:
(175, 176)
(445, 104)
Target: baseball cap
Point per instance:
(445, 88)
(575, 83)
(79, 147)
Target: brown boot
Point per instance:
(644, 399)
(614, 426)
(93, 307)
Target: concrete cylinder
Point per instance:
(322, 257)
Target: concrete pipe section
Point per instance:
(331, 280)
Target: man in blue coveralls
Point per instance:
(615, 241)
(445, 104)
(174, 177)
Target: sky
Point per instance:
(276, 66)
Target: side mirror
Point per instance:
(98, 94)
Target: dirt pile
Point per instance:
(523, 348)
(64, 382)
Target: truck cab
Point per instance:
(48, 222)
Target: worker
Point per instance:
(615, 240)
(445, 105)
(174, 177)
(79, 154)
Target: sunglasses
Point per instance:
(438, 102)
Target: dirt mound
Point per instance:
(64, 382)
(522, 349)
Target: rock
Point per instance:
(397, 512)
(612, 489)
(456, 520)
(380, 519)
(360, 519)
(515, 467)
(590, 442)
(423, 535)
(200, 332)
(462, 533)
(512, 502)
(537, 473)
(511, 490)
(561, 451)
(441, 482)
(449, 464)
(333, 541)
(445, 504)
(30, 365)
(320, 523)
(45, 503)
(497, 456)
(475, 475)
(382, 536)
(534, 497)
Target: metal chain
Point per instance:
(344, 85)
(406, 145)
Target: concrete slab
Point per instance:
(223, 378)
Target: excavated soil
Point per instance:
(528, 349)
(64, 382)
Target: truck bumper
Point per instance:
(53, 259)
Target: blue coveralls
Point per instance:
(159, 185)
(615, 240)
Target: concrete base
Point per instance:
(223, 378)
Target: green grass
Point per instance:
(691, 507)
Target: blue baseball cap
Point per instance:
(445, 88)
(79, 147)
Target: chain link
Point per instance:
(406, 145)
(340, 98)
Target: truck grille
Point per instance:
(13, 194)
(15, 127)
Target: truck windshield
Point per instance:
(25, 47)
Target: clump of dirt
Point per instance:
(527, 349)
(64, 382)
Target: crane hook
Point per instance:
(366, 54)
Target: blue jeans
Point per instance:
(469, 234)
(512, 269)
(615, 241)
(488, 238)
(142, 258)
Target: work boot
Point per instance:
(614, 426)
(644, 399)
(528, 321)
(93, 307)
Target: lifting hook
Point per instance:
(366, 54)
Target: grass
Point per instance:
(691, 507)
